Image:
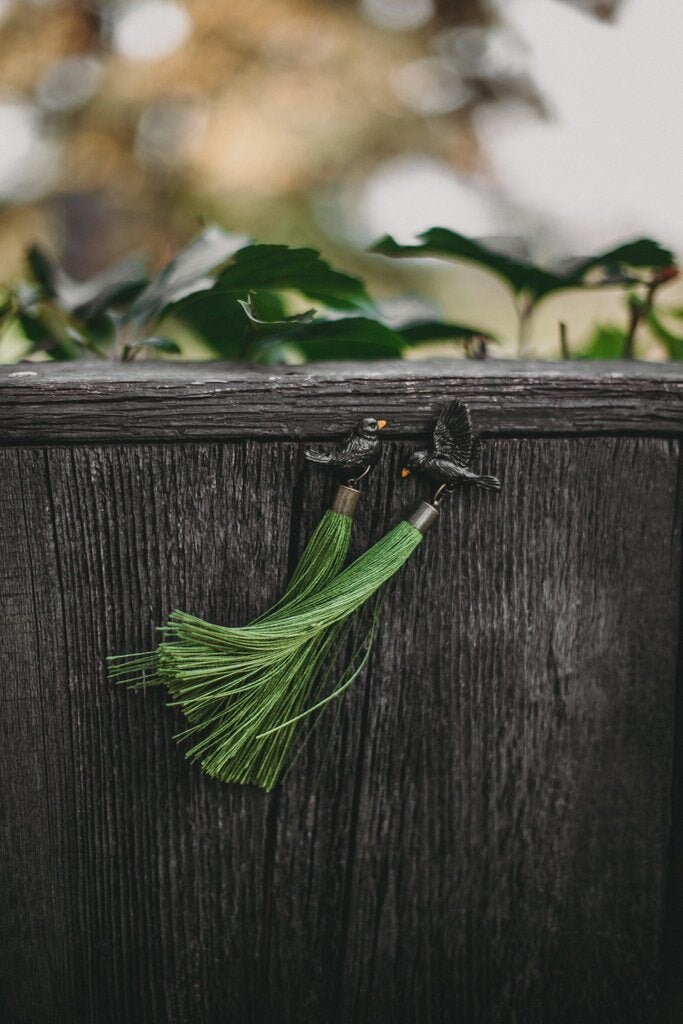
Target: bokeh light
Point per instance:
(150, 29)
(399, 15)
(69, 83)
(27, 161)
(125, 124)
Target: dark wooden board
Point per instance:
(150, 873)
(54, 403)
(37, 924)
(482, 835)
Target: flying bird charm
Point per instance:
(357, 453)
(448, 460)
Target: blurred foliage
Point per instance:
(642, 262)
(233, 297)
(272, 117)
(227, 297)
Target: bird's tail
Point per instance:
(487, 483)
(313, 455)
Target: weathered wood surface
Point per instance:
(481, 836)
(57, 403)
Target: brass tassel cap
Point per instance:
(345, 500)
(424, 517)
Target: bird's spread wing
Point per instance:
(453, 437)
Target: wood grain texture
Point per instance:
(672, 944)
(480, 835)
(54, 403)
(36, 921)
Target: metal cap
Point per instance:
(345, 500)
(424, 517)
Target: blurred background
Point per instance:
(127, 125)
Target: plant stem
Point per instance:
(639, 310)
(124, 343)
(524, 312)
(564, 341)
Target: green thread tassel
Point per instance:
(321, 560)
(326, 551)
(246, 689)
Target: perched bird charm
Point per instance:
(448, 461)
(357, 453)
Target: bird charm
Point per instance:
(357, 453)
(448, 461)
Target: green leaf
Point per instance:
(606, 342)
(161, 345)
(217, 319)
(8, 307)
(46, 326)
(89, 299)
(191, 270)
(672, 342)
(230, 325)
(284, 322)
(113, 289)
(43, 269)
(276, 353)
(243, 307)
(527, 278)
(438, 330)
(267, 306)
(157, 345)
(520, 275)
(641, 253)
(304, 270)
(348, 338)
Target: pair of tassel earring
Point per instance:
(245, 690)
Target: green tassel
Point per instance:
(246, 689)
(323, 556)
(321, 560)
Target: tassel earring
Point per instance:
(321, 560)
(328, 547)
(246, 690)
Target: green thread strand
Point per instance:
(321, 560)
(245, 690)
(257, 688)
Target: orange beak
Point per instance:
(381, 424)
(405, 472)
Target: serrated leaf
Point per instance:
(286, 322)
(641, 253)
(438, 330)
(527, 278)
(520, 275)
(267, 305)
(217, 319)
(304, 270)
(192, 269)
(348, 338)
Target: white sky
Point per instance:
(610, 162)
(607, 164)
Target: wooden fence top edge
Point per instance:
(93, 402)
